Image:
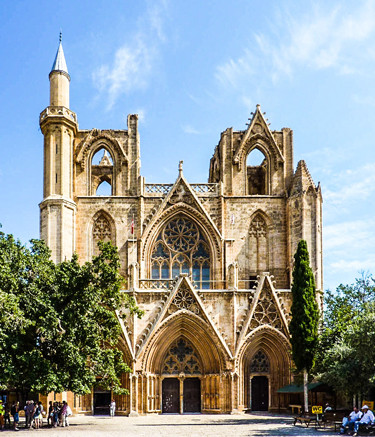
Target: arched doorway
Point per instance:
(182, 360)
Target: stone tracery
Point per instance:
(181, 357)
(181, 248)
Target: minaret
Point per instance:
(59, 127)
(59, 80)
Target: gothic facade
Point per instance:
(210, 263)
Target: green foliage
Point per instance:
(304, 311)
(346, 352)
(58, 323)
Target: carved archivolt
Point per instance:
(196, 331)
(264, 144)
(96, 140)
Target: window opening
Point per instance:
(104, 189)
(256, 173)
(102, 157)
(181, 248)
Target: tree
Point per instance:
(346, 353)
(305, 315)
(62, 329)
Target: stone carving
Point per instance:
(181, 195)
(184, 300)
(260, 363)
(102, 229)
(266, 312)
(181, 358)
(258, 227)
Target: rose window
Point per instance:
(181, 248)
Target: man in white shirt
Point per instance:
(349, 421)
(367, 418)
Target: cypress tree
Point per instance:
(305, 315)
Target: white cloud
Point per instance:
(133, 62)
(352, 185)
(321, 38)
(190, 130)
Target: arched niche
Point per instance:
(101, 228)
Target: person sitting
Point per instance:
(367, 418)
(327, 408)
(350, 420)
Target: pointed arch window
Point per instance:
(102, 173)
(256, 173)
(181, 248)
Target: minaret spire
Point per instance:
(59, 64)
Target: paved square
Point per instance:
(265, 425)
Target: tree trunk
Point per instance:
(305, 391)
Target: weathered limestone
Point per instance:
(210, 264)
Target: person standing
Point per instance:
(50, 414)
(14, 410)
(112, 408)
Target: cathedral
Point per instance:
(209, 263)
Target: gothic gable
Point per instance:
(183, 299)
(258, 133)
(266, 310)
(181, 200)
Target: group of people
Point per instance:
(356, 419)
(58, 413)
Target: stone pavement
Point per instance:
(194, 425)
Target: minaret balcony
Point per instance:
(58, 111)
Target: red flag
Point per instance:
(132, 226)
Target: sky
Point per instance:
(191, 69)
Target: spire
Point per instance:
(59, 63)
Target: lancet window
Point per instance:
(260, 363)
(102, 173)
(181, 248)
(181, 357)
(256, 173)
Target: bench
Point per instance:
(305, 419)
(333, 418)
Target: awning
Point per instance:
(314, 386)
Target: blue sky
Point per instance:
(190, 69)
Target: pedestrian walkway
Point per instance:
(199, 425)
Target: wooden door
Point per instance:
(259, 393)
(192, 395)
(171, 395)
